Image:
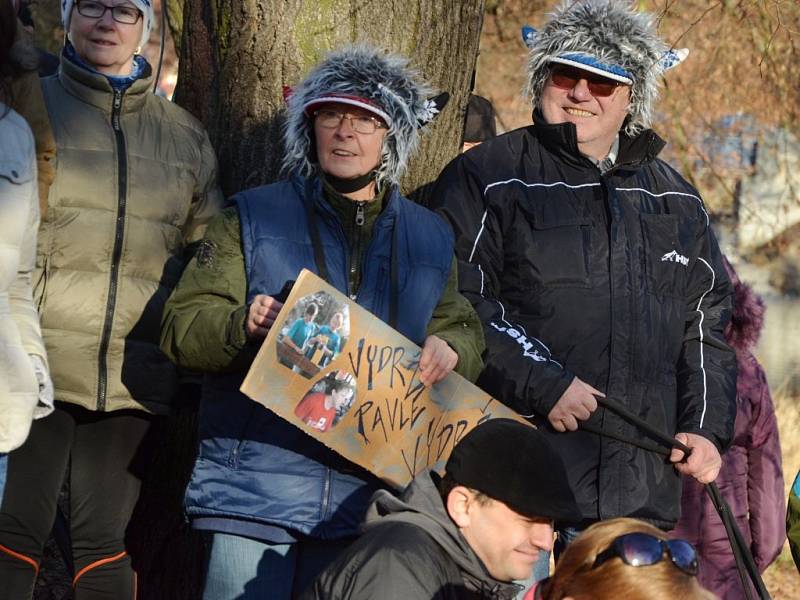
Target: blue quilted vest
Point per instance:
(254, 466)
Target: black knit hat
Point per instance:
(479, 125)
(515, 464)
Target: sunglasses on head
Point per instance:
(642, 550)
(566, 78)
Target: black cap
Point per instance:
(515, 464)
(479, 124)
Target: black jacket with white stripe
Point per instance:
(615, 278)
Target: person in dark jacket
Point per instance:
(751, 478)
(467, 535)
(278, 503)
(479, 124)
(594, 270)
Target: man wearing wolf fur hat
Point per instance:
(593, 268)
(278, 504)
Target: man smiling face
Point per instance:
(508, 543)
(597, 119)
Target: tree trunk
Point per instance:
(238, 54)
(174, 10)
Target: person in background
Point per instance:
(134, 188)
(302, 329)
(468, 534)
(479, 124)
(327, 341)
(279, 504)
(793, 520)
(624, 558)
(320, 409)
(595, 272)
(751, 477)
(26, 392)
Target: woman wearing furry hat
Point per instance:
(135, 185)
(278, 504)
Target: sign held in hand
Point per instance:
(348, 379)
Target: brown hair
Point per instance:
(613, 579)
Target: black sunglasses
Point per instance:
(643, 549)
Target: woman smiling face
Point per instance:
(104, 43)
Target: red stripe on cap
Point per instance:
(364, 103)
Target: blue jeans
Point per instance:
(241, 568)
(541, 570)
(564, 538)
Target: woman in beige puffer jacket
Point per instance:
(135, 185)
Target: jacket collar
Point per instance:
(562, 141)
(95, 89)
(313, 187)
(421, 505)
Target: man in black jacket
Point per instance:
(468, 535)
(594, 270)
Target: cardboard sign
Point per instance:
(349, 380)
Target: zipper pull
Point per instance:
(360, 214)
(117, 105)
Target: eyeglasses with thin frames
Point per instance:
(331, 119)
(566, 78)
(643, 549)
(121, 13)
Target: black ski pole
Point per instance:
(741, 552)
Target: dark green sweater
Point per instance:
(357, 218)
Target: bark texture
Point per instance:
(48, 32)
(174, 10)
(238, 54)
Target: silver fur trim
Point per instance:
(366, 72)
(613, 32)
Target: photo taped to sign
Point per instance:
(314, 334)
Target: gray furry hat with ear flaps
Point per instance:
(370, 78)
(607, 37)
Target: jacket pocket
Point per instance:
(665, 261)
(13, 166)
(559, 252)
